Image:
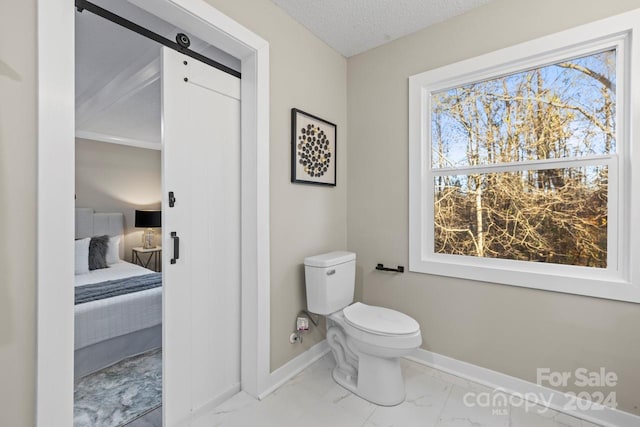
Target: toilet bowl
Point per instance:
(366, 341)
(368, 355)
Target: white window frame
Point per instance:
(621, 279)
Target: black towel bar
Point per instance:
(381, 267)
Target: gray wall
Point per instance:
(118, 178)
(507, 329)
(305, 219)
(17, 213)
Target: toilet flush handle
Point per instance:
(331, 272)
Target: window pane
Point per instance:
(562, 110)
(556, 216)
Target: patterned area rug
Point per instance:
(120, 393)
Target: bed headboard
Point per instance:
(90, 223)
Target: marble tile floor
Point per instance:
(117, 394)
(434, 398)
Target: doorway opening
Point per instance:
(56, 176)
(129, 87)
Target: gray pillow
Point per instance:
(98, 252)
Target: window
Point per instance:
(520, 165)
(553, 127)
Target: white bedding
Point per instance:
(99, 320)
(115, 271)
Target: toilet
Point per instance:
(367, 341)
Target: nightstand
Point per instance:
(153, 253)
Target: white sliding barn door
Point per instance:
(201, 166)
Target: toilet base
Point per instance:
(344, 380)
(379, 380)
(371, 372)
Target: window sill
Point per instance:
(573, 280)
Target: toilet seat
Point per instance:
(384, 343)
(379, 320)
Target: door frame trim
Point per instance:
(56, 182)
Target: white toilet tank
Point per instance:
(330, 279)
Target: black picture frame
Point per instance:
(313, 149)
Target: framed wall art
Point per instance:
(313, 149)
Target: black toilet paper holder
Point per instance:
(381, 267)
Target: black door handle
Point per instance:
(176, 247)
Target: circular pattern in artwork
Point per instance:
(314, 150)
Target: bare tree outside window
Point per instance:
(501, 189)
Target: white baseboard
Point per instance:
(294, 367)
(560, 402)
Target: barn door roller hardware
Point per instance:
(181, 44)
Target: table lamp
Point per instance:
(148, 220)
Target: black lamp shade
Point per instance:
(148, 219)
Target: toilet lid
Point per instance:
(380, 320)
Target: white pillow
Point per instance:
(113, 252)
(82, 255)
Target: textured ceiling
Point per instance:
(353, 26)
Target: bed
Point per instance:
(110, 329)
